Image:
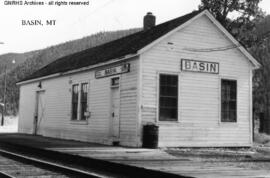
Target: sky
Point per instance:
(77, 21)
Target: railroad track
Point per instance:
(70, 165)
(16, 165)
(5, 175)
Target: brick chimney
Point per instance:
(149, 21)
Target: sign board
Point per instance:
(199, 66)
(124, 68)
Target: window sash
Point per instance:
(228, 100)
(79, 101)
(75, 97)
(84, 95)
(168, 97)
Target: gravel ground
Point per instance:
(256, 158)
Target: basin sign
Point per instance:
(199, 66)
(124, 68)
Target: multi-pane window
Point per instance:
(228, 100)
(168, 97)
(75, 98)
(79, 101)
(84, 94)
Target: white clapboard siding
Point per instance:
(128, 106)
(199, 93)
(27, 108)
(57, 119)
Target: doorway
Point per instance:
(39, 113)
(115, 105)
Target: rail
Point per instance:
(47, 165)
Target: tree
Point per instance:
(221, 9)
(252, 28)
(261, 79)
(243, 25)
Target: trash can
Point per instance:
(150, 136)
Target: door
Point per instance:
(39, 113)
(115, 120)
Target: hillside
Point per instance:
(19, 58)
(27, 63)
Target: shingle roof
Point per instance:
(111, 50)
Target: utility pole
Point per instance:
(4, 96)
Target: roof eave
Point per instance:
(119, 59)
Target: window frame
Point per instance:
(158, 96)
(79, 120)
(111, 81)
(81, 92)
(72, 99)
(228, 78)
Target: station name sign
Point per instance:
(199, 66)
(124, 68)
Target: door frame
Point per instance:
(111, 123)
(36, 119)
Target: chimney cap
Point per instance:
(149, 13)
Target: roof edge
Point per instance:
(232, 39)
(77, 70)
(253, 61)
(170, 33)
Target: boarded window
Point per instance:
(75, 97)
(84, 95)
(168, 97)
(228, 100)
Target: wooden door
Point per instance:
(115, 104)
(39, 114)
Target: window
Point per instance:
(115, 82)
(168, 97)
(84, 94)
(75, 97)
(79, 101)
(228, 100)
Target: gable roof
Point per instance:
(111, 50)
(130, 45)
(233, 40)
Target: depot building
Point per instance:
(188, 76)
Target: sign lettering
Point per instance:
(124, 68)
(199, 66)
